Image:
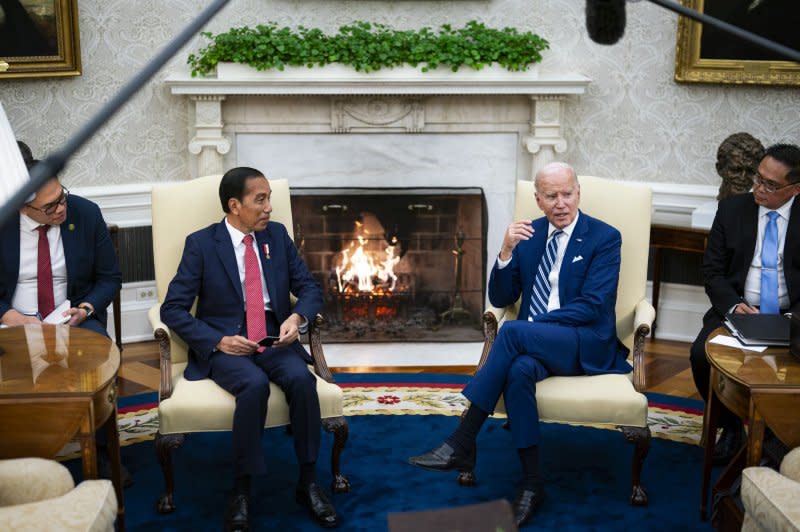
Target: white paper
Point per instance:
(730, 341)
(57, 316)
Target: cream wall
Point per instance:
(635, 122)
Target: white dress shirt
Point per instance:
(26, 296)
(752, 286)
(553, 301)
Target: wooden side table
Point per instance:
(57, 383)
(671, 237)
(763, 388)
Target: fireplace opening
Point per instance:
(396, 264)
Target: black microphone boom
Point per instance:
(605, 20)
(55, 162)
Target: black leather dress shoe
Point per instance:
(526, 504)
(237, 516)
(317, 503)
(730, 442)
(444, 458)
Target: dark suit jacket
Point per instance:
(729, 252)
(92, 269)
(587, 287)
(208, 272)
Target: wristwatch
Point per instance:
(88, 308)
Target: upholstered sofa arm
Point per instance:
(790, 466)
(89, 507)
(24, 480)
(770, 500)
(644, 314)
(38, 494)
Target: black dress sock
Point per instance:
(241, 486)
(529, 457)
(307, 474)
(463, 439)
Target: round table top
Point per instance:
(774, 367)
(55, 359)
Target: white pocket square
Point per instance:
(576, 258)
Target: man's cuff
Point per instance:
(303, 327)
(502, 263)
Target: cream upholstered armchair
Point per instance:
(771, 498)
(39, 494)
(601, 400)
(202, 406)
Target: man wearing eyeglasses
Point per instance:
(58, 249)
(751, 264)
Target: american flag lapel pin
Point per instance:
(266, 251)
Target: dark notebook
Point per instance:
(759, 329)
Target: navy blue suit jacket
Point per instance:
(587, 288)
(93, 272)
(208, 272)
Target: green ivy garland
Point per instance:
(368, 47)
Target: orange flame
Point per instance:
(361, 270)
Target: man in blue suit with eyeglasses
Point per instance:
(565, 266)
(57, 249)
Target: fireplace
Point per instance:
(396, 264)
(472, 129)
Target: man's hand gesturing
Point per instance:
(519, 230)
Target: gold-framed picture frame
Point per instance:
(704, 54)
(39, 38)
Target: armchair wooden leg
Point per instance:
(164, 445)
(467, 478)
(640, 437)
(340, 429)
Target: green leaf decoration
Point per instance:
(369, 47)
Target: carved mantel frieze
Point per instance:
(376, 103)
(377, 113)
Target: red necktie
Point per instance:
(44, 274)
(256, 317)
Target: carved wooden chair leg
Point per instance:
(164, 445)
(640, 437)
(340, 429)
(467, 478)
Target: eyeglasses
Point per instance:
(769, 186)
(50, 208)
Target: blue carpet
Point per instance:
(587, 475)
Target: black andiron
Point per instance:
(456, 312)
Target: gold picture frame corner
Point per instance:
(56, 27)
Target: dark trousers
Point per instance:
(523, 354)
(247, 378)
(94, 325)
(701, 368)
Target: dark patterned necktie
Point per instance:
(541, 285)
(44, 274)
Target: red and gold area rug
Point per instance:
(670, 418)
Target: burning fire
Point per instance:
(361, 270)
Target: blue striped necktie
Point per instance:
(769, 266)
(541, 285)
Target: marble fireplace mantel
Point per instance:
(404, 100)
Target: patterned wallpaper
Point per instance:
(635, 122)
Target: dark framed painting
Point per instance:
(39, 38)
(708, 55)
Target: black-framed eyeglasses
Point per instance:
(50, 208)
(769, 186)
